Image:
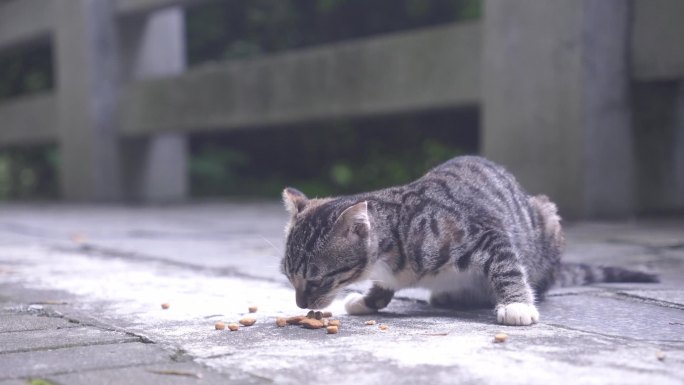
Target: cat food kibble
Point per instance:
(233, 327)
(311, 323)
(248, 321)
(370, 323)
(252, 309)
(165, 306)
(325, 321)
(500, 337)
(220, 326)
(281, 322)
(334, 322)
(383, 327)
(331, 329)
(314, 314)
(295, 320)
(326, 314)
(660, 355)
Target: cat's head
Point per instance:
(328, 246)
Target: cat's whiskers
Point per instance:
(278, 252)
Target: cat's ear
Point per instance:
(294, 200)
(353, 221)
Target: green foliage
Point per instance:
(28, 173)
(26, 71)
(214, 169)
(331, 158)
(39, 381)
(243, 28)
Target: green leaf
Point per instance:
(39, 381)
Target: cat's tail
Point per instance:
(576, 274)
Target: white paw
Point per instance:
(355, 305)
(517, 314)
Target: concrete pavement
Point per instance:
(81, 288)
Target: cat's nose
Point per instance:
(302, 301)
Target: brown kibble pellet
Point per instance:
(334, 322)
(233, 327)
(78, 238)
(311, 323)
(295, 320)
(383, 327)
(165, 306)
(281, 322)
(311, 314)
(370, 323)
(219, 326)
(252, 309)
(248, 321)
(500, 337)
(318, 315)
(331, 329)
(326, 314)
(660, 355)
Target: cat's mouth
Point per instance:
(321, 302)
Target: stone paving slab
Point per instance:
(674, 297)
(212, 261)
(427, 346)
(186, 373)
(611, 315)
(664, 233)
(83, 358)
(56, 339)
(13, 382)
(26, 322)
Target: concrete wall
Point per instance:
(659, 146)
(656, 47)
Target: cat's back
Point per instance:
(473, 169)
(483, 187)
(476, 175)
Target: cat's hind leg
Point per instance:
(375, 299)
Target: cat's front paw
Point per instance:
(517, 314)
(355, 305)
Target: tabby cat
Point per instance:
(466, 230)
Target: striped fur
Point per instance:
(466, 230)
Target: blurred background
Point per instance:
(161, 101)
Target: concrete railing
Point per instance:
(124, 100)
(430, 68)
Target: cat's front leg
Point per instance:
(514, 296)
(375, 299)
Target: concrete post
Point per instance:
(87, 58)
(155, 168)
(94, 57)
(678, 151)
(659, 146)
(556, 101)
